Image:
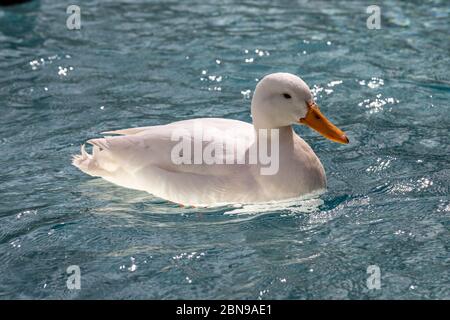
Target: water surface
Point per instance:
(136, 63)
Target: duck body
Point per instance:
(140, 158)
(143, 159)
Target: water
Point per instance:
(136, 64)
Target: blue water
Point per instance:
(137, 63)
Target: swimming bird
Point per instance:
(212, 161)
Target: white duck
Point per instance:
(148, 158)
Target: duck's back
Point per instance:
(148, 159)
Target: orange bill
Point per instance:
(317, 121)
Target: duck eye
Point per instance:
(287, 95)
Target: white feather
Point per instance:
(140, 158)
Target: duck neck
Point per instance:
(264, 122)
(283, 134)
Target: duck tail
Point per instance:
(90, 163)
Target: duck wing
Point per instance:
(148, 158)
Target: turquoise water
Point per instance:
(136, 64)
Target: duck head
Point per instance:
(283, 99)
